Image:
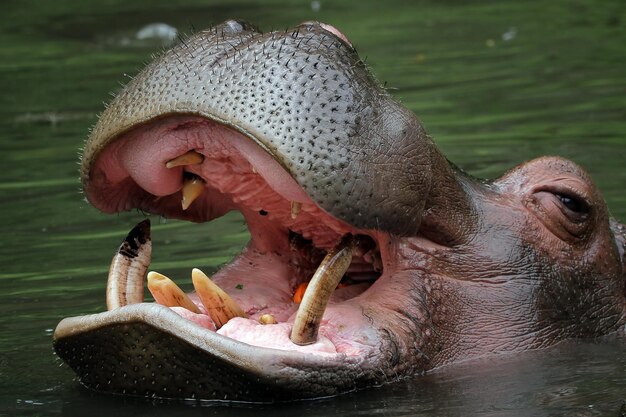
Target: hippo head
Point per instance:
(410, 263)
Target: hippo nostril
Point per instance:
(233, 26)
(238, 26)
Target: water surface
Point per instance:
(495, 83)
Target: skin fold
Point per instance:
(292, 122)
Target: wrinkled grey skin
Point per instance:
(473, 272)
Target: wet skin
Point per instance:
(446, 267)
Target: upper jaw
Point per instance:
(304, 97)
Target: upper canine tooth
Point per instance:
(295, 209)
(128, 268)
(192, 188)
(315, 299)
(167, 293)
(218, 304)
(190, 158)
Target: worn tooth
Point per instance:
(218, 304)
(192, 188)
(267, 319)
(128, 268)
(190, 158)
(295, 209)
(324, 281)
(167, 293)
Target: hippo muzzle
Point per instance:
(371, 257)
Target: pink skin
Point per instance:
(143, 158)
(336, 32)
(241, 176)
(331, 29)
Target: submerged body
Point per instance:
(410, 263)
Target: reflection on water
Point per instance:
(494, 83)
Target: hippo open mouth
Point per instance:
(371, 256)
(194, 167)
(197, 168)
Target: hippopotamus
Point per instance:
(371, 256)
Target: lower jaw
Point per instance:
(147, 350)
(259, 284)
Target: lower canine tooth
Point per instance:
(167, 293)
(218, 304)
(128, 268)
(189, 158)
(192, 188)
(324, 281)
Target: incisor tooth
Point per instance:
(324, 281)
(267, 319)
(167, 293)
(218, 304)
(189, 158)
(128, 268)
(295, 209)
(192, 188)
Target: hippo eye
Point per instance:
(563, 211)
(574, 205)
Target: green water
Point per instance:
(496, 83)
